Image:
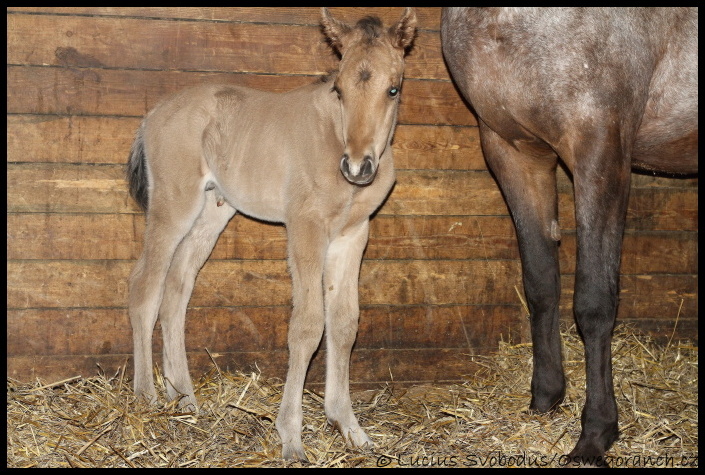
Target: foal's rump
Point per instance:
(170, 139)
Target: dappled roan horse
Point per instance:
(605, 90)
(317, 159)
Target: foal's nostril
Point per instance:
(344, 165)
(367, 167)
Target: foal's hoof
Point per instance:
(359, 439)
(187, 404)
(354, 436)
(292, 453)
(146, 397)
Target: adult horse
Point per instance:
(317, 159)
(604, 89)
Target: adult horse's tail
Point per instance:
(137, 171)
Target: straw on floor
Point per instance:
(96, 422)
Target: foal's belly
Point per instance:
(257, 199)
(253, 189)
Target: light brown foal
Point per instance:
(317, 159)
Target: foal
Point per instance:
(317, 159)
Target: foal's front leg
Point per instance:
(307, 246)
(340, 279)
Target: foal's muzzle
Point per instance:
(358, 174)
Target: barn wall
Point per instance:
(441, 277)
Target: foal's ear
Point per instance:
(404, 32)
(334, 30)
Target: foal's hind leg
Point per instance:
(190, 256)
(340, 278)
(529, 186)
(169, 219)
(307, 245)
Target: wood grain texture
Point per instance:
(250, 329)
(159, 44)
(118, 236)
(132, 93)
(441, 271)
(101, 284)
(429, 18)
(105, 140)
(369, 369)
(86, 188)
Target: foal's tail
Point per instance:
(136, 171)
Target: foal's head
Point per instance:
(368, 85)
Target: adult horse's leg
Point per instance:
(167, 224)
(340, 285)
(307, 245)
(601, 179)
(190, 256)
(529, 186)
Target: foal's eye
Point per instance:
(393, 91)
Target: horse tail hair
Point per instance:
(137, 171)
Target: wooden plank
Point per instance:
(668, 209)
(62, 284)
(74, 236)
(89, 284)
(114, 92)
(107, 140)
(36, 188)
(70, 139)
(368, 369)
(666, 330)
(156, 44)
(437, 147)
(428, 18)
(100, 331)
(91, 91)
(49, 188)
(103, 189)
(79, 42)
(655, 296)
(477, 329)
(119, 236)
(645, 180)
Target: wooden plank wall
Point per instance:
(441, 275)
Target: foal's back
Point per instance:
(257, 148)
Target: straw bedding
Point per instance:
(96, 422)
